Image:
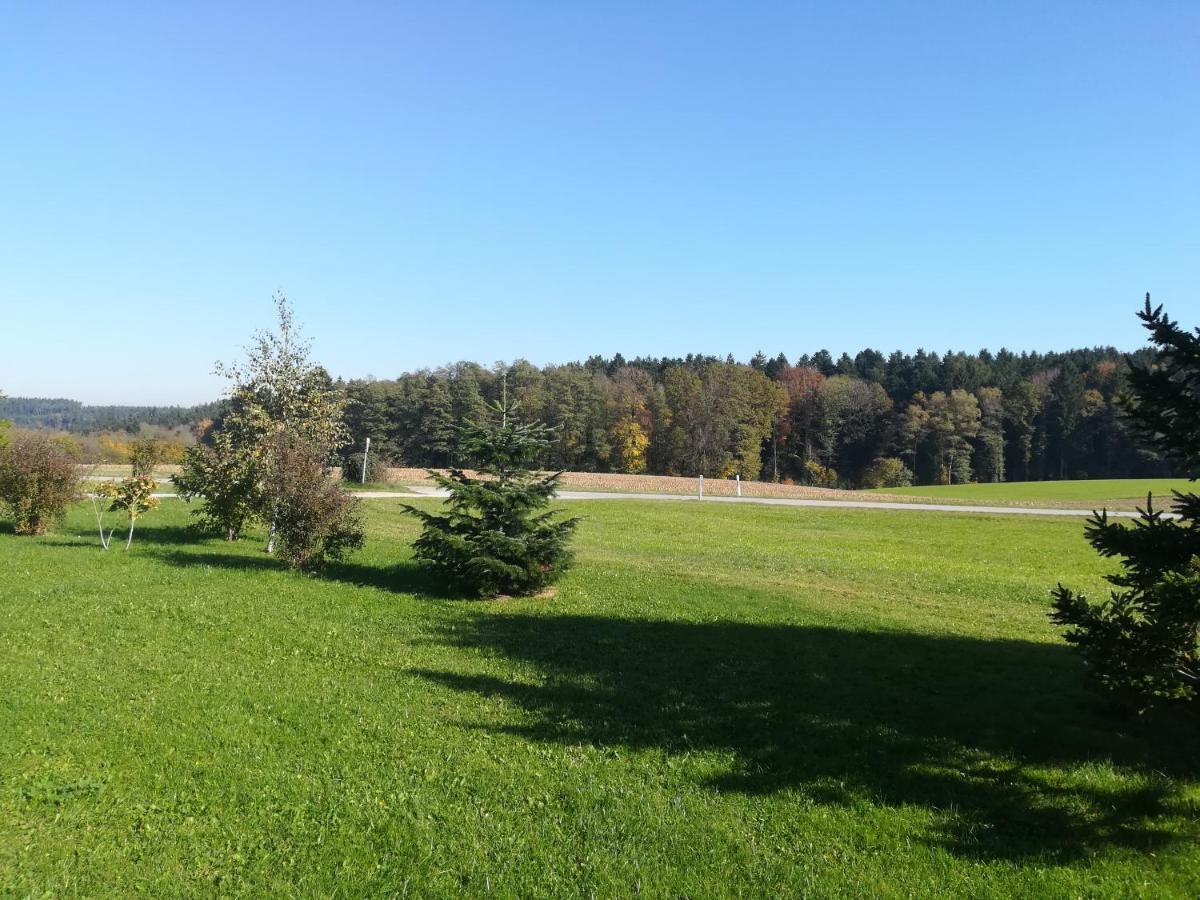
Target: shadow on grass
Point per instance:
(155, 535)
(990, 735)
(404, 577)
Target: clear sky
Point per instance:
(489, 180)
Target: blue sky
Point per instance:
(442, 181)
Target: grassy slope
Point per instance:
(721, 700)
(1116, 493)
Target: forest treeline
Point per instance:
(868, 420)
(58, 414)
(864, 421)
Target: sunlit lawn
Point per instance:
(1115, 493)
(720, 700)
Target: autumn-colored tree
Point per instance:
(133, 495)
(887, 472)
(954, 421)
(630, 421)
(808, 433)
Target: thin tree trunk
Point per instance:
(271, 532)
(100, 523)
(129, 542)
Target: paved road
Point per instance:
(418, 492)
(781, 501)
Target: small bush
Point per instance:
(38, 480)
(818, 475)
(887, 472)
(133, 496)
(227, 479)
(146, 454)
(315, 519)
(377, 466)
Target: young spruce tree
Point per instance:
(497, 535)
(1141, 644)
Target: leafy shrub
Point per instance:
(887, 472)
(497, 535)
(38, 480)
(146, 454)
(377, 466)
(228, 478)
(133, 495)
(315, 519)
(818, 475)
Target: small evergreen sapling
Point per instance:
(497, 535)
(1141, 644)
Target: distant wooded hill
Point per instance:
(71, 415)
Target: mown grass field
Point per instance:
(719, 701)
(1114, 493)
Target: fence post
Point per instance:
(701, 487)
(739, 483)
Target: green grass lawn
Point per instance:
(1115, 493)
(720, 700)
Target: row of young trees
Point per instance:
(957, 418)
(267, 459)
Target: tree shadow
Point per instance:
(155, 535)
(994, 737)
(404, 577)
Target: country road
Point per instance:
(418, 493)
(781, 501)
